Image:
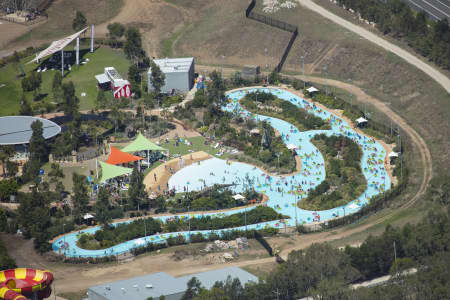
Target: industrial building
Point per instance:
(159, 284)
(179, 74)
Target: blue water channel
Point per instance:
(283, 191)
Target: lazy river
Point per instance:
(283, 191)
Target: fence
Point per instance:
(13, 20)
(249, 13)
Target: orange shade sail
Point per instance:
(118, 157)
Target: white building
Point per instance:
(179, 74)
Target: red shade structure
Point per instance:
(118, 157)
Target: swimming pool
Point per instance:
(281, 190)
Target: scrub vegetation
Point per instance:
(344, 180)
(109, 235)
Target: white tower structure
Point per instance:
(92, 38)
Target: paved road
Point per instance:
(436, 9)
(440, 78)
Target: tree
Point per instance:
(34, 218)
(136, 190)
(194, 286)
(157, 78)
(38, 146)
(101, 99)
(116, 30)
(57, 87)
(101, 207)
(25, 107)
(55, 172)
(80, 197)
(79, 22)
(133, 74)
(133, 45)
(71, 101)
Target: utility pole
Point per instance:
(326, 78)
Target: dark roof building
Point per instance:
(158, 284)
(15, 130)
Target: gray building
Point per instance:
(158, 284)
(179, 74)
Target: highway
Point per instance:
(436, 9)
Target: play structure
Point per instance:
(24, 283)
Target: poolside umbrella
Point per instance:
(141, 143)
(119, 157)
(112, 171)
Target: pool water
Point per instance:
(282, 191)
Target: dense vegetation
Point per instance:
(395, 17)
(6, 262)
(111, 235)
(323, 272)
(344, 180)
(268, 104)
(265, 150)
(213, 198)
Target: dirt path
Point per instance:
(440, 78)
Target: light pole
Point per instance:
(278, 157)
(303, 71)
(64, 239)
(245, 221)
(223, 61)
(326, 78)
(145, 228)
(189, 220)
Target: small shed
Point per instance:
(103, 82)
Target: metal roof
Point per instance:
(17, 129)
(174, 65)
(155, 285)
(209, 278)
(102, 78)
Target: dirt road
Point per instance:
(440, 78)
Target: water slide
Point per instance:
(18, 284)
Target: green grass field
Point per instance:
(82, 76)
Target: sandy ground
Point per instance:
(159, 176)
(10, 31)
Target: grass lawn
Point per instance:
(82, 76)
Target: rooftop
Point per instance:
(157, 284)
(16, 130)
(172, 65)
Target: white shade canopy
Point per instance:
(361, 120)
(58, 45)
(238, 197)
(393, 154)
(88, 216)
(292, 146)
(312, 90)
